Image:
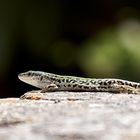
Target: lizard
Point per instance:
(49, 82)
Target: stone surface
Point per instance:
(71, 116)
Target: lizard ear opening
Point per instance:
(41, 78)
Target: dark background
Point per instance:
(92, 38)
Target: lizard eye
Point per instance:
(30, 74)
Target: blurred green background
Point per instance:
(92, 38)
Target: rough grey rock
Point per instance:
(71, 116)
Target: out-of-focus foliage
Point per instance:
(115, 51)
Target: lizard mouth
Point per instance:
(29, 80)
(24, 78)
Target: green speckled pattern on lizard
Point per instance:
(52, 82)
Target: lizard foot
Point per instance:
(31, 96)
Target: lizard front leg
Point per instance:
(49, 88)
(38, 95)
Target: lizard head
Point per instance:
(35, 78)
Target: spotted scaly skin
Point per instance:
(52, 82)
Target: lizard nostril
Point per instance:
(21, 74)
